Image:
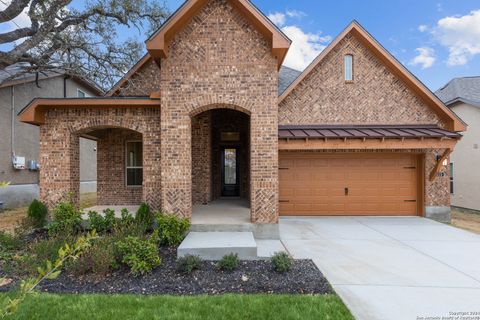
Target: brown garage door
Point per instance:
(348, 184)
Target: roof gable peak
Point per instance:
(157, 44)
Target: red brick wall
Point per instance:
(111, 184)
(201, 158)
(59, 152)
(219, 60)
(376, 96)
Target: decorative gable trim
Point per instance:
(454, 123)
(157, 44)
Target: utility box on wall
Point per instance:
(18, 162)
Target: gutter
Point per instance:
(12, 129)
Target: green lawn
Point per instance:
(50, 306)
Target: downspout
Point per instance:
(64, 86)
(13, 120)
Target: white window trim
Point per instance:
(84, 93)
(345, 68)
(127, 167)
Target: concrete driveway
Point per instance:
(392, 268)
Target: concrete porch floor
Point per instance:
(222, 211)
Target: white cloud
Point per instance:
(296, 14)
(461, 35)
(422, 28)
(305, 47)
(277, 18)
(425, 57)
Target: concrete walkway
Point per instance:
(392, 268)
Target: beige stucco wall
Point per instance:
(27, 136)
(466, 160)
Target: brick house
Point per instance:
(209, 113)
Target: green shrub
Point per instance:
(229, 262)
(144, 215)
(140, 255)
(99, 259)
(282, 262)
(172, 229)
(66, 220)
(102, 223)
(37, 213)
(189, 263)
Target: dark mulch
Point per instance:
(258, 277)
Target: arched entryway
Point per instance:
(221, 165)
(119, 165)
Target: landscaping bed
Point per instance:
(250, 277)
(136, 255)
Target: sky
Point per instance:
(437, 40)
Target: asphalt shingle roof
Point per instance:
(286, 76)
(461, 89)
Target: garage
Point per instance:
(315, 183)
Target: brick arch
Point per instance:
(97, 124)
(202, 104)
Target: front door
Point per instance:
(230, 170)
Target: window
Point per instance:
(451, 178)
(348, 67)
(134, 163)
(81, 94)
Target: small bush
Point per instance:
(99, 259)
(282, 262)
(172, 229)
(37, 213)
(229, 262)
(144, 215)
(101, 223)
(140, 255)
(66, 220)
(189, 263)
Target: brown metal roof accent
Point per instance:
(34, 112)
(157, 44)
(364, 131)
(454, 122)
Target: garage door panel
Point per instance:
(378, 184)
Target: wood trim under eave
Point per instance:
(34, 113)
(439, 163)
(369, 144)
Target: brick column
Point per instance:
(176, 168)
(264, 167)
(59, 166)
(152, 168)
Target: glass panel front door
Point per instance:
(230, 172)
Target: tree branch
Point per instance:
(13, 10)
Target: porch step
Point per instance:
(227, 227)
(214, 245)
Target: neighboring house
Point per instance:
(462, 95)
(20, 140)
(200, 118)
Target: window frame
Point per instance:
(84, 93)
(136, 167)
(345, 68)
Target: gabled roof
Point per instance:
(466, 89)
(454, 123)
(15, 75)
(157, 44)
(286, 76)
